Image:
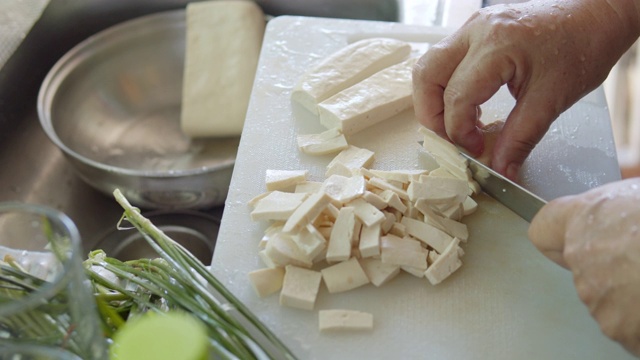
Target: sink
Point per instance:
(33, 170)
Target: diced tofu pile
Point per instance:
(359, 226)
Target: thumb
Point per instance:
(549, 227)
(525, 126)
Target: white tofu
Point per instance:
(310, 208)
(441, 148)
(402, 176)
(344, 276)
(344, 320)
(346, 67)
(369, 244)
(445, 264)
(300, 288)
(267, 281)
(374, 199)
(339, 248)
(439, 189)
(402, 252)
(398, 229)
(469, 206)
(223, 42)
(393, 200)
(254, 201)
(385, 185)
(327, 142)
(450, 226)
(374, 99)
(378, 272)
(432, 236)
(284, 179)
(343, 189)
(348, 160)
(366, 212)
(277, 206)
(308, 186)
(283, 251)
(310, 241)
(388, 222)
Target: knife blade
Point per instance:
(515, 197)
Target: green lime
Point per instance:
(161, 336)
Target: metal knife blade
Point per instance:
(518, 199)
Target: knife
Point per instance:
(518, 199)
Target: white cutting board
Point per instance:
(506, 302)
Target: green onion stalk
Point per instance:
(177, 281)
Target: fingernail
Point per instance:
(513, 170)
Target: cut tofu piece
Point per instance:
(369, 244)
(327, 142)
(282, 251)
(346, 67)
(385, 185)
(343, 189)
(344, 320)
(450, 226)
(376, 98)
(378, 272)
(403, 176)
(267, 281)
(367, 213)
(402, 252)
(310, 208)
(469, 206)
(339, 248)
(300, 288)
(344, 276)
(223, 41)
(308, 187)
(445, 264)
(432, 236)
(439, 190)
(277, 206)
(348, 160)
(284, 180)
(310, 241)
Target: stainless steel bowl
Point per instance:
(112, 105)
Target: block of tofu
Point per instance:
(374, 199)
(277, 205)
(405, 251)
(310, 208)
(284, 179)
(300, 288)
(365, 212)
(430, 235)
(369, 244)
(376, 98)
(344, 276)
(267, 281)
(326, 142)
(378, 272)
(339, 248)
(223, 41)
(343, 189)
(445, 264)
(450, 226)
(348, 160)
(347, 67)
(344, 320)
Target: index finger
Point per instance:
(431, 75)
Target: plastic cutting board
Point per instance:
(506, 302)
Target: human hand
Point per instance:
(548, 53)
(596, 235)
